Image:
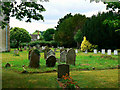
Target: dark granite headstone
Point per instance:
(63, 69)
(51, 61)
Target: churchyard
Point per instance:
(24, 69)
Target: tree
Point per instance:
(67, 29)
(19, 35)
(78, 38)
(30, 10)
(101, 34)
(48, 34)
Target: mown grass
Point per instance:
(83, 61)
(85, 79)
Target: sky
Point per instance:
(56, 9)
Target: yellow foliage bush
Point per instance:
(86, 45)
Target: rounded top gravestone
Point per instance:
(50, 61)
(34, 59)
(71, 57)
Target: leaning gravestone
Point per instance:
(34, 59)
(50, 52)
(63, 69)
(29, 54)
(63, 56)
(103, 51)
(51, 61)
(115, 52)
(95, 51)
(71, 57)
(109, 52)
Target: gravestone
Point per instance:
(46, 50)
(62, 50)
(63, 69)
(38, 46)
(25, 47)
(86, 51)
(63, 56)
(109, 52)
(95, 51)
(34, 59)
(115, 52)
(34, 47)
(7, 65)
(50, 52)
(16, 52)
(51, 61)
(71, 57)
(103, 51)
(76, 51)
(29, 54)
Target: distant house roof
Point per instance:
(33, 37)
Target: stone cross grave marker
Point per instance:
(50, 52)
(109, 52)
(63, 69)
(63, 56)
(115, 52)
(51, 61)
(34, 59)
(86, 51)
(71, 57)
(95, 51)
(103, 51)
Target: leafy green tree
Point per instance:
(48, 34)
(78, 38)
(67, 29)
(30, 10)
(19, 35)
(101, 34)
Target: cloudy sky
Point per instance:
(56, 9)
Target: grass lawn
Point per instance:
(12, 77)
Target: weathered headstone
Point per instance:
(86, 51)
(115, 52)
(63, 56)
(50, 52)
(25, 47)
(16, 52)
(109, 52)
(34, 59)
(62, 50)
(29, 54)
(71, 57)
(51, 61)
(95, 51)
(63, 69)
(103, 51)
(76, 51)
(7, 65)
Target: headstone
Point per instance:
(51, 61)
(95, 51)
(109, 52)
(50, 52)
(7, 65)
(63, 69)
(38, 46)
(60, 47)
(103, 51)
(29, 54)
(71, 57)
(62, 50)
(46, 51)
(25, 47)
(86, 51)
(63, 56)
(34, 59)
(76, 51)
(115, 52)
(34, 47)
(16, 52)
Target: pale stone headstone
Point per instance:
(109, 52)
(50, 52)
(115, 52)
(16, 52)
(60, 47)
(71, 57)
(34, 59)
(63, 69)
(63, 56)
(25, 47)
(95, 51)
(51, 61)
(103, 51)
(86, 51)
(76, 51)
